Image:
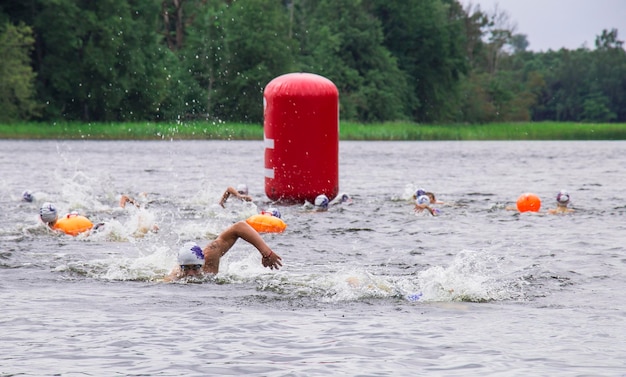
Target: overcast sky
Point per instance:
(553, 24)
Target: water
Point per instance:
(367, 289)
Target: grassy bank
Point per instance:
(348, 131)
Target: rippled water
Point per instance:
(502, 293)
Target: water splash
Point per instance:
(472, 276)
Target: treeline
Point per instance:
(425, 61)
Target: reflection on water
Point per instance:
(361, 276)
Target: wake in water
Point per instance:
(154, 229)
(471, 277)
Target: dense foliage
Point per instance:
(426, 61)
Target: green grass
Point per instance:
(492, 131)
(348, 131)
(132, 131)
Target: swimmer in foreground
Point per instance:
(192, 260)
(562, 200)
(241, 192)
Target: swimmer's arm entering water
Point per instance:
(127, 199)
(232, 191)
(225, 241)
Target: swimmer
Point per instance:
(141, 203)
(342, 198)
(562, 200)
(272, 212)
(194, 261)
(431, 196)
(433, 199)
(49, 216)
(321, 203)
(241, 192)
(127, 199)
(422, 203)
(419, 192)
(74, 224)
(143, 229)
(27, 196)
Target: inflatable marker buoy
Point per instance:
(73, 224)
(266, 223)
(528, 203)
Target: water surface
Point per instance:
(500, 293)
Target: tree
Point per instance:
(607, 79)
(257, 48)
(17, 79)
(101, 60)
(343, 42)
(426, 37)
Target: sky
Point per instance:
(556, 24)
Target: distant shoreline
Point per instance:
(398, 131)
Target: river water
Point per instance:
(367, 288)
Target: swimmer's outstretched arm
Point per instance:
(127, 199)
(225, 241)
(419, 208)
(232, 191)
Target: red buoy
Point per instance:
(528, 202)
(301, 132)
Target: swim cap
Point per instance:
(420, 192)
(321, 201)
(272, 211)
(422, 199)
(242, 189)
(345, 198)
(27, 196)
(48, 213)
(190, 253)
(562, 197)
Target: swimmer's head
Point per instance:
(562, 198)
(48, 213)
(321, 201)
(272, 212)
(431, 196)
(419, 192)
(190, 254)
(27, 196)
(242, 189)
(422, 200)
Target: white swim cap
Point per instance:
(242, 189)
(273, 211)
(422, 199)
(321, 201)
(48, 213)
(562, 197)
(190, 253)
(27, 196)
(344, 198)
